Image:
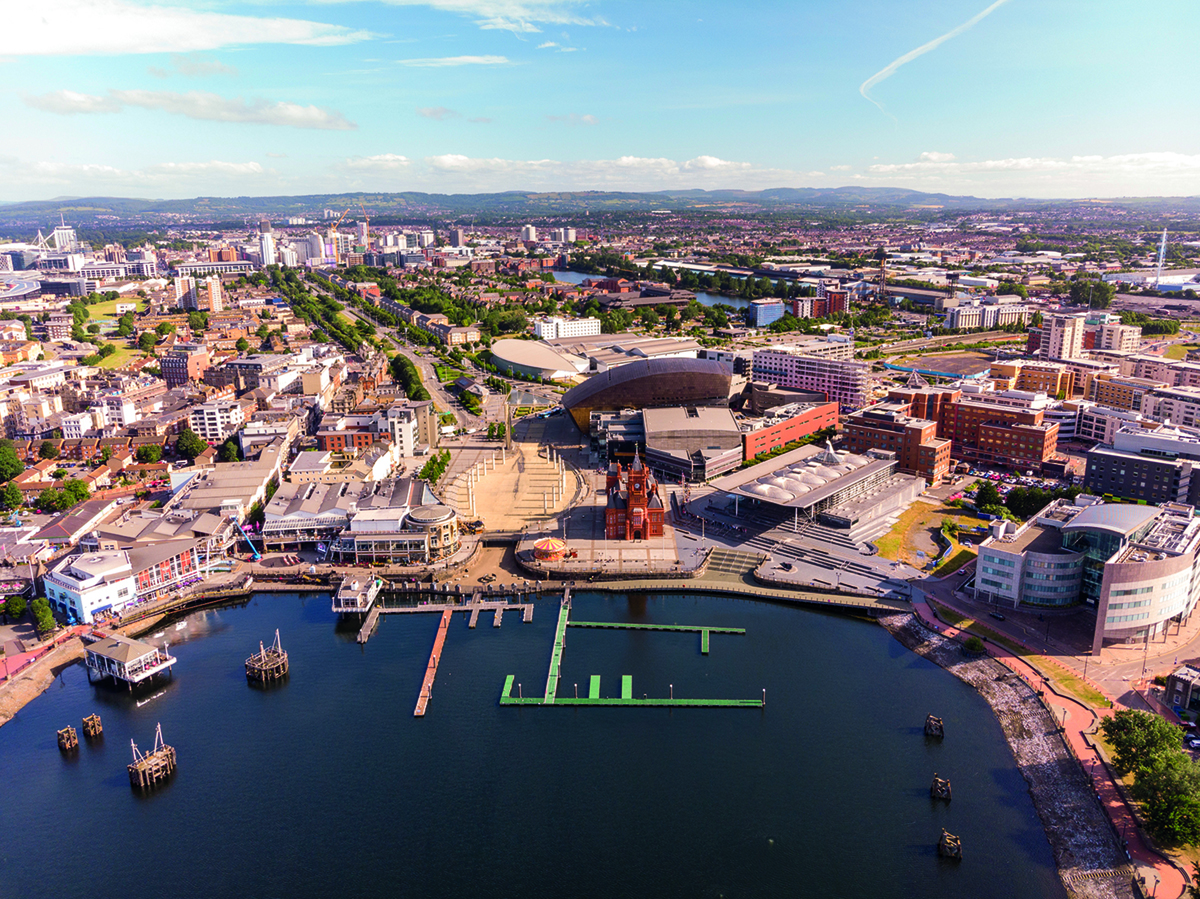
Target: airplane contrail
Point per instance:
(890, 69)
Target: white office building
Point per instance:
(556, 327)
(217, 421)
(83, 586)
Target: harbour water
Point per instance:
(326, 785)
(702, 297)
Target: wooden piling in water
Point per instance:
(92, 727)
(68, 739)
(154, 767)
(267, 664)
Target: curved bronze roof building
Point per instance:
(652, 382)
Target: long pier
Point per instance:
(368, 628)
(626, 699)
(702, 630)
(560, 637)
(431, 670)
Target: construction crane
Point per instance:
(333, 234)
(1162, 257)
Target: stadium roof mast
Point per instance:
(1162, 257)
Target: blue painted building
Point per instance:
(764, 312)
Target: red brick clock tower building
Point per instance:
(634, 510)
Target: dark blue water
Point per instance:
(702, 297)
(328, 787)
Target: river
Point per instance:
(703, 297)
(326, 786)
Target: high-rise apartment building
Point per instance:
(835, 374)
(1063, 337)
(528, 232)
(1121, 338)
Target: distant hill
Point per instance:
(410, 205)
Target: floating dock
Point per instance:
(594, 698)
(431, 670)
(684, 628)
(626, 699)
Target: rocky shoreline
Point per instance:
(1090, 862)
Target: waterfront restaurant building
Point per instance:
(122, 658)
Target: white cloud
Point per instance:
(384, 162)
(457, 172)
(197, 105)
(712, 163)
(556, 47)
(72, 103)
(189, 65)
(839, 168)
(443, 61)
(518, 16)
(547, 45)
(438, 113)
(166, 178)
(1127, 174)
(890, 69)
(116, 27)
(574, 119)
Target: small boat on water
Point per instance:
(180, 625)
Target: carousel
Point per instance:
(550, 549)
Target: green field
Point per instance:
(120, 357)
(109, 309)
(1179, 350)
(447, 375)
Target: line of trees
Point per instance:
(1166, 781)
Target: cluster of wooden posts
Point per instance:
(949, 846)
(68, 737)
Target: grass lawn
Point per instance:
(120, 357)
(109, 309)
(913, 532)
(447, 375)
(957, 561)
(1178, 350)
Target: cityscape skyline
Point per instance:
(132, 98)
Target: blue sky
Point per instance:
(1037, 98)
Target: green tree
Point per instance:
(1137, 738)
(189, 445)
(74, 492)
(58, 474)
(987, 496)
(162, 329)
(93, 328)
(263, 332)
(14, 608)
(242, 345)
(12, 498)
(147, 341)
(48, 450)
(1092, 292)
(149, 453)
(1169, 789)
(229, 451)
(126, 325)
(51, 500)
(43, 618)
(197, 320)
(10, 465)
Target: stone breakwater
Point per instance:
(1090, 861)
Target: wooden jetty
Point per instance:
(950, 846)
(68, 740)
(269, 663)
(154, 767)
(92, 727)
(431, 670)
(368, 628)
(934, 727)
(940, 788)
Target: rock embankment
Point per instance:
(1090, 862)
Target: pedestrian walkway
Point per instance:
(1078, 722)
